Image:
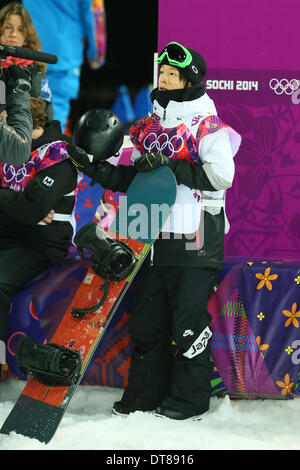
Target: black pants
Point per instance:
(169, 304)
(17, 267)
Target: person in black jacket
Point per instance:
(37, 201)
(32, 195)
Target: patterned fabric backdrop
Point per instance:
(256, 319)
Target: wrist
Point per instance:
(172, 164)
(89, 169)
(19, 97)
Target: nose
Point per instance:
(162, 80)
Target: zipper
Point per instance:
(151, 255)
(200, 251)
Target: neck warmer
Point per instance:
(183, 94)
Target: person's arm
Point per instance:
(41, 194)
(217, 156)
(94, 25)
(187, 173)
(16, 131)
(191, 175)
(214, 173)
(116, 178)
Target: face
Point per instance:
(13, 32)
(169, 78)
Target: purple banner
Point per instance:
(234, 34)
(254, 79)
(263, 203)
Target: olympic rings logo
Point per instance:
(163, 144)
(284, 86)
(11, 173)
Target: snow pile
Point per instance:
(230, 424)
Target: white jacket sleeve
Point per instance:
(216, 153)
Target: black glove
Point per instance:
(16, 79)
(150, 161)
(79, 157)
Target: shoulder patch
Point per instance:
(209, 125)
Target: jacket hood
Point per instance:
(52, 132)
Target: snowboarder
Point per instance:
(172, 289)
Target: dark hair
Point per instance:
(181, 76)
(184, 79)
(39, 116)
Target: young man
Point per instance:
(173, 286)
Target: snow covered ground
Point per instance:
(231, 425)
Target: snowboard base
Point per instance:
(39, 419)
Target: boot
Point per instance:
(121, 409)
(162, 412)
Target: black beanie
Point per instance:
(195, 71)
(197, 68)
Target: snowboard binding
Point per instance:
(49, 364)
(112, 259)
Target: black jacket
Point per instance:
(21, 212)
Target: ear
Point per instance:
(187, 84)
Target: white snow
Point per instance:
(229, 425)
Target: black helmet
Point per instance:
(100, 133)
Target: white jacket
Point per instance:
(216, 151)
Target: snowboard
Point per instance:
(142, 212)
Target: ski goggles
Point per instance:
(176, 54)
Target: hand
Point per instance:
(94, 64)
(150, 161)
(79, 157)
(16, 79)
(48, 219)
